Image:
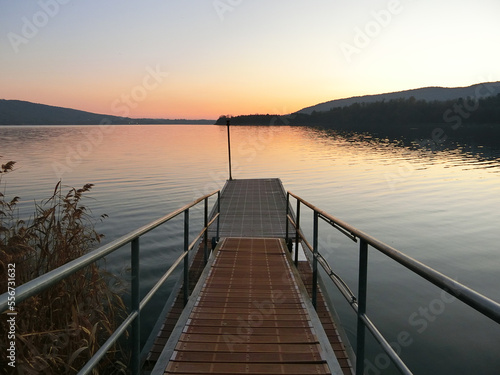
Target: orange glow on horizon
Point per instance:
(180, 61)
(204, 106)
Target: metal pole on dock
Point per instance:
(229, 149)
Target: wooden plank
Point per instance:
(246, 368)
(253, 357)
(249, 329)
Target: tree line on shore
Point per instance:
(392, 117)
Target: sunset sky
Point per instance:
(204, 58)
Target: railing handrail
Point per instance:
(44, 281)
(474, 299)
(477, 301)
(48, 279)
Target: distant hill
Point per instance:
(427, 94)
(18, 112)
(474, 115)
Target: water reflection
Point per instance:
(438, 205)
(453, 152)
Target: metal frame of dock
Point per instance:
(247, 209)
(250, 311)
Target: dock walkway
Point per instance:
(250, 312)
(253, 208)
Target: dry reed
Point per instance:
(58, 330)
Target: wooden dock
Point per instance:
(250, 312)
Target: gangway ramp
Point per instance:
(250, 314)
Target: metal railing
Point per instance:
(477, 301)
(43, 282)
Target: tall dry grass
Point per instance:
(60, 329)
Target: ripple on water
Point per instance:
(440, 207)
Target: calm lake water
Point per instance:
(441, 207)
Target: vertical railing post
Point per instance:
(135, 336)
(315, 259)
(186, 258)
(362, 291)
(286, 218)
(205, 237)
(229, 149)
(297, 236)
(218, 217)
